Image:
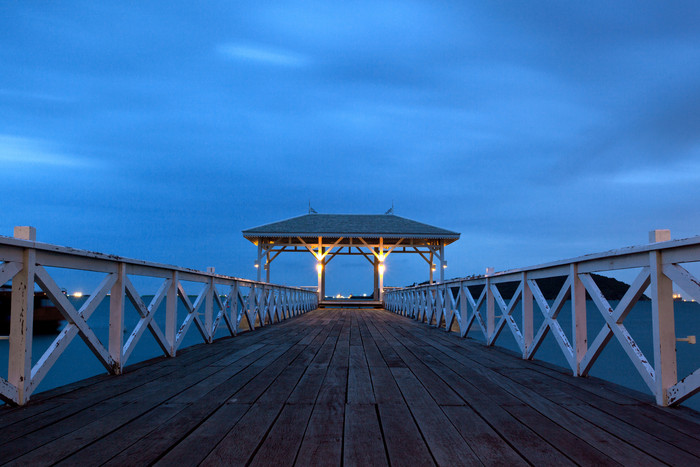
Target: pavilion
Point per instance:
(373, 236)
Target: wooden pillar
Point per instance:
(375, 293)
(22, 319)
(431, 265)
(267, 266)
(443, 263)
(258, 266)
(382, 269)
(321, 269)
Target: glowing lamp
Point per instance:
(257, 265)
(381, 268)
(444, 265)
(319, 267)
(432, 267)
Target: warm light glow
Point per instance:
(77, 294)
(319, 267)
(381, 268)
(433, 267)
(257, 265)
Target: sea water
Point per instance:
(78, 362)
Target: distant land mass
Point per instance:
(611, 288)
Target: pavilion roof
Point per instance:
(349, 226)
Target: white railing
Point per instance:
(25, 263)
(660, 267)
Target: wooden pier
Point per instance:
(346, 387)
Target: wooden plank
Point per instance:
(130, 404)
(270, 389)
(441, 392)
(269, 371)
(243, 359)
(284, 439)
(194, 448)
(362, 438)
(555, 390)
(575, 449)
(404, 443)
(567, 442)
(592, 434)
(522, 438)
(95, 453)
(323, 440)
(650, 444)
(31, 441)
(485, 441)
(599, 441)
(134, 403)
(151, 447)
(110, 386)
(445, 444)
(309, 385)
(359, 388)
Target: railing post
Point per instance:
(662, 317)
(22, 319)
(116, 319)
(263, 305)
(490, 308)
(528, 323)
(463, 309)
(233, 303)
(171, 313)
(209, 307)
(579, 331)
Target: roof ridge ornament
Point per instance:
(311, 210)
(391, 210)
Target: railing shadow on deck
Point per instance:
(462, 304)
(244, 304)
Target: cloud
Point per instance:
(665, 176)
(38, 96)
(260, 54)
(18, 152)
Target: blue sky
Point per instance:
(539, 130)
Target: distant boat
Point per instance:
(47, 318)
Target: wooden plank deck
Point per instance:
(352, 387)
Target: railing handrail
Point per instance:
(109, 258)
(659, 267)
(595, 261)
